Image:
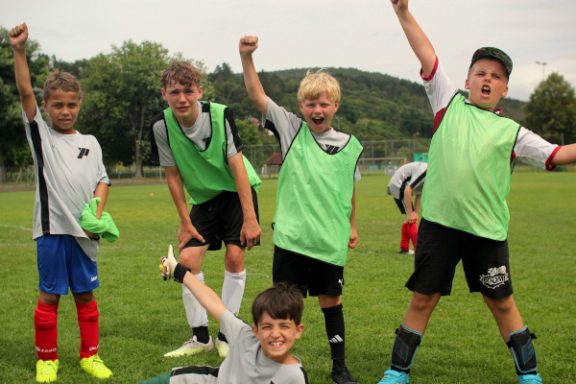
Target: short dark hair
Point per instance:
(62, 80)
(282, 301)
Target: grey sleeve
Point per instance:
(164, 151)
(283, 124)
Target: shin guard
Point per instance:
(520, 344)
(405, 347)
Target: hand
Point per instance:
(411, 218)
(250, 234)
(247, 45)
(186, 233)
(18, 36)
(399, 5)
(354, 238)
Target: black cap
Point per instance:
(493, 54)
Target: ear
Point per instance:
(254, 329)
(200, 92)
(299, 330)
(466, 84)
(163, 91)
(505, 92)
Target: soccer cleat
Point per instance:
(406, 252)
(529, 379)
(392, 376)
(94, 366)
(46, 371)
(341, 375)
(168, 264)
(191, 347)
(222, 348)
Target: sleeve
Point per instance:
(233, 141)
(232, 326)
(283, 124)
(102, 174)
(160, 144)
(532, 149)
(439, 88)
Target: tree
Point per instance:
(122, 95)
(551, 110)
(13, 140)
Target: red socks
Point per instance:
(88, 323)
(46, 331)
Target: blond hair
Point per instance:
(181, 72)
(61, 80)
(314, 84)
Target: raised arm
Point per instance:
(418, 40)
(256, 93)
(204, 294)
(18, 37)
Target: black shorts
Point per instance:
(310, 275)
(219, 220)
(486, 262)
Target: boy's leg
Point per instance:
(336, 331)
(232, 289)
(405, 238)
(515, 334)
(88, 322)
(46, 326)
(413, 233)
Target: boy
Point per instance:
(69, 175)
(464, 210)
(405, 187)
(259, 354)
(314, 222)
(200, 150)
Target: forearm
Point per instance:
(253, 85)
(101, 191)
(24, 82)
(353, 211)
(418, 40)
(243, 187)
(408, 200)
(204, 294)
(565, 155)
(176, 188)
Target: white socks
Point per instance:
(233, 290)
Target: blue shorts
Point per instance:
(62, 264)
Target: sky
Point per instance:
(539, 35)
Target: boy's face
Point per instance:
(487, 83)
(182, 100)
(277, 337)
(318, 113)
(62, 108)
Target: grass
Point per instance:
(142, 316)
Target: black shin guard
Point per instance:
(520, 344)
(405, 347)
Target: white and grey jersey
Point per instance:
(68, 167)
(285, 125)
(200, 134)
(245, 363)
(412, 174)
(529, 148)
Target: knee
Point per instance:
(503, 305)
(424, 303)
(234, 259)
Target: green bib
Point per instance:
(205, 173)
(314, 199)
(470, 170)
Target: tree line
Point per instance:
(122, 95)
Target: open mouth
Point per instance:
(318, 120)
(486, 90)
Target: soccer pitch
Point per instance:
(142, 317)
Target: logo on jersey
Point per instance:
(83, 152)
(495, 277)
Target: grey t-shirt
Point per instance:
(245, 363)
(68, 168)
(412, 173)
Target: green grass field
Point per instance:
(141, 316)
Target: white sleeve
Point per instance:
(283, 124)
(532, 149)
(439, 88)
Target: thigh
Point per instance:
(436, 257)
(83, 271)
(326, 279)
(487, 267)
(292, 268)
(194, 375)
(231, 217)
(52, 264)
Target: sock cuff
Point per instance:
(235, 275)
(332, 310)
